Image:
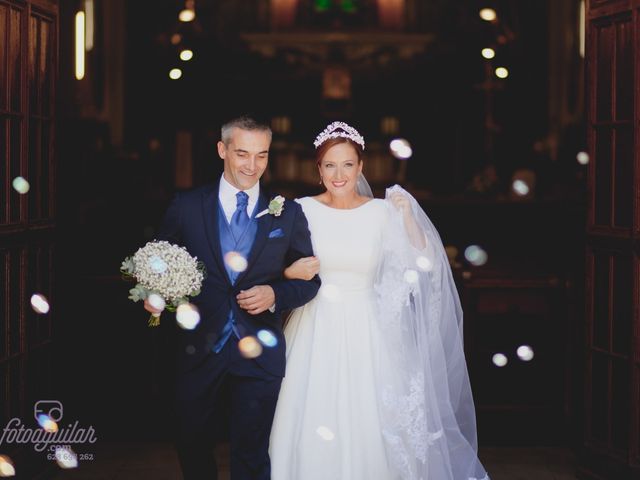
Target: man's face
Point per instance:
(245, 157)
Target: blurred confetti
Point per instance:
(525, 353)
(330, 292)
(583, 158)
(187, 316)
(475, 255)
(236, 262)
(499, 360)
(6, 467)
(47, 423)
(250, 347)
(66, 458)
(424, 264)
(267, 338)
(39, 303)
(400, 148)
(20, 185)
(411, 276)
(520, 187)
(325, 433)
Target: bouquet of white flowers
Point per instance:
(166, 270)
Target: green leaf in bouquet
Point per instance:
(202, 268)
(128, 267)
(138, 293)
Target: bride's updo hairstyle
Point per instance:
(336, 133)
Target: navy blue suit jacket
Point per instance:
(192, 221)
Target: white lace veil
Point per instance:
(426, 405)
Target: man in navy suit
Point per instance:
(239, 299)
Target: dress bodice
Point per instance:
(347, 243)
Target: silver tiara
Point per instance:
(339, 130)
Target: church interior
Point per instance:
(513, 123)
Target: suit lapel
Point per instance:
(264, 224)
(210, 212)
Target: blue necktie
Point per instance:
(240, 219)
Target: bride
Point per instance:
(376, 386)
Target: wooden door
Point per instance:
(28, 66)
(612, 393)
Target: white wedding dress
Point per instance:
(353, 404)
(326, 423)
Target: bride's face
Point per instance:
(339, 169)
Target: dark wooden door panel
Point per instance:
(28, 70)
(612, 390)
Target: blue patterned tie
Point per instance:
(240, 219)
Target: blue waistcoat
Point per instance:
(242, 246)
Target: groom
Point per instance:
(239, 299)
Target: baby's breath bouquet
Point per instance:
(166, 270)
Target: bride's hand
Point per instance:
(303, 269)
(402, 203)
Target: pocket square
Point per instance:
(277, 233)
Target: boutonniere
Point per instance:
(276, 206)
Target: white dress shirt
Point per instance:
(229, 201)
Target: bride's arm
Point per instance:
(302, 269)
(415, 234)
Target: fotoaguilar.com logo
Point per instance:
(47, 413)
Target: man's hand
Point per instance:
(257, 299)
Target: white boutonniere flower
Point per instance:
(276, 206)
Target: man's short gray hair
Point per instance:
(244, 122)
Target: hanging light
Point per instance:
(186, 55)
(188, 14)
(488, 53)
(488, 14)
(80, 45)
(582, 32)
(90, 20)
(502, 72)
(175, 73)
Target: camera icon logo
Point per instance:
(51, 408)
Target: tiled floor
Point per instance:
(158, 461)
